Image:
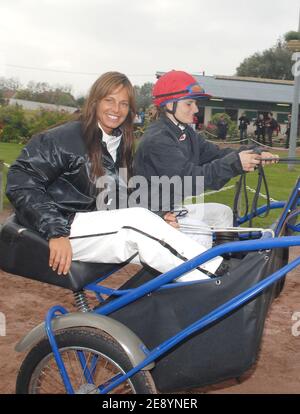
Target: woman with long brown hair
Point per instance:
(92, 114)
(54, 187)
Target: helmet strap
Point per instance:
(172, 112)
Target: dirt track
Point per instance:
(25, 302)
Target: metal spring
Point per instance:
(81, 301)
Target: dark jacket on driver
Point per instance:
(167, 150)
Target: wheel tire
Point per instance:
(32, 377)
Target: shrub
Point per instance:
(18, 125)
(14, 124)
(42, 119)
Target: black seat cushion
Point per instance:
(25, 253)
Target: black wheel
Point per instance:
(104, 358)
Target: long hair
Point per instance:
(105, 85)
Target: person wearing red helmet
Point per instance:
(170, 147)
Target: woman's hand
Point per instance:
(171, 219)
(60, 255)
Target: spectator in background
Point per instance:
(222, 128)
(288, 131)
(271, 126)
(137, 119)
(142, 115)
(243, 125)
(260, 131)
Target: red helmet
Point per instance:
(176, 85)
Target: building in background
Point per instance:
(32, 105)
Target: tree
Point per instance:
(2, 99)
(273, 63)
(143, 95)
(292, 36)
(43, 92)
(80, 101)
(10, 84)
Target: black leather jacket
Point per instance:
(50, 180)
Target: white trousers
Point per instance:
(138, 235)
(203, 216)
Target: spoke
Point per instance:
(94, 364)
(72, 369)
(80, 363)
(44, 382)
(50, 376)
(87, 371)
(83, 368)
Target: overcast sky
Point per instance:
(74, 41)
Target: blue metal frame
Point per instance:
(124, 297)
(159, 281)
(208, 319)
(291, 204)
(87, 372)
(51, 314)
(131, 295)
(261, 210)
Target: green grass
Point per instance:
(8, 153)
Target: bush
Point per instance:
(18, 125)
(42, 119)
(13, 124)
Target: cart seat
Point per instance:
(25, 253)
